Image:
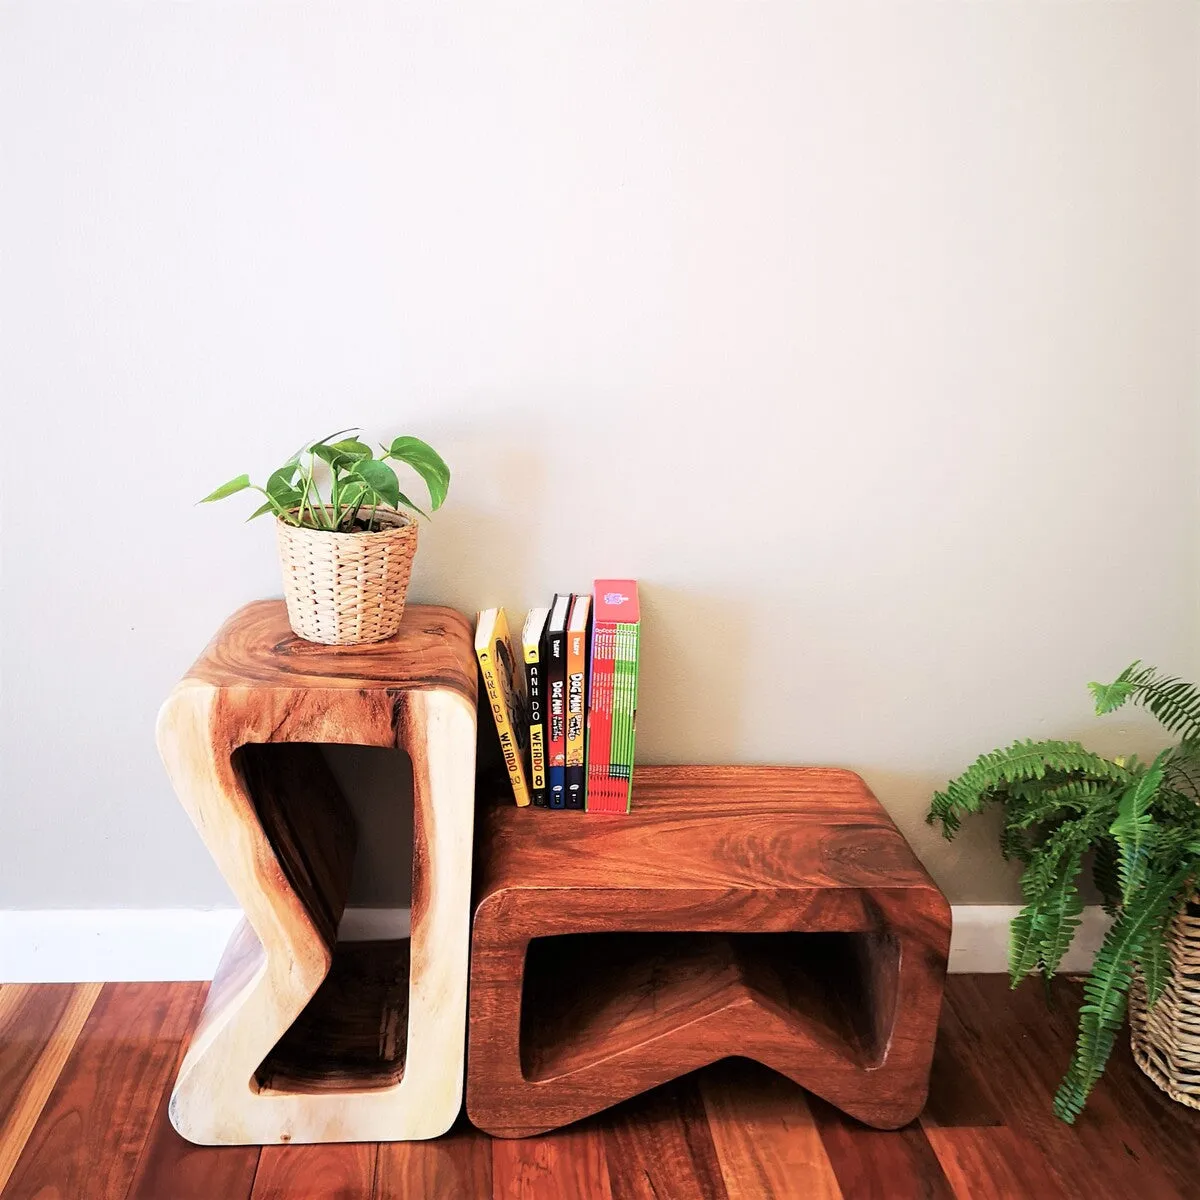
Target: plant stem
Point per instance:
(303, 497)
(279, 512)
(317, 513)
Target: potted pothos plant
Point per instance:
(1139, 823)
(346, 532)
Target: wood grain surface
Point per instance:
(39, 1024)
(774, 913)
(568, 1164)
(660, 1145)
(733, 1129)
(766, 1139)
(879, 1164)
(345, 1171)
(172, 1167)
(1030, 1053)
(302, 1040)
(354, 1031)
(257, 648)
(95, 1124)
(456, 1164)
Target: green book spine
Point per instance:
(625, 705)
(622, 763)
(634, 654)
(619, 707)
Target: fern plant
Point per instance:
(1140, 822)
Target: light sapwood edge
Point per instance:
(19, 1123)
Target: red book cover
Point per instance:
(614, 601)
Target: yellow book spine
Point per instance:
(499, 702)
(537, 720)
(537, 755)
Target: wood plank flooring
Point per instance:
(85, 1073)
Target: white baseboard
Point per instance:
(131, 944)
(94, 945)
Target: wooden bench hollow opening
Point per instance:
(352, 1035)
(586, 995)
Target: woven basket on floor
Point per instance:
(1166, 1038)
(346, 588)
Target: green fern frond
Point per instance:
(1172, 845)
(1110, 696)
(1076, 796)
(1135, 827)
(1176, 808)
(1106, 875)
(1141, 823)
(1155, 960)
(1055, 848)
(1106, 991)
(1020, 796)
(1019, 800)
(1174, 702)
(1042, 931)
(941, 808)
(991, 773)
(1022, 945)
(1014, 843)
(1062, 911)
(1019, 792)
(1183, 770)
(1082, 792)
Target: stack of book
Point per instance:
(566, 721)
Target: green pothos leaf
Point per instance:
(427, 463)
(238, 484)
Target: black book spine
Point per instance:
(556, 715)
(537, 726)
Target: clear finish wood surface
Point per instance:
(733, 1131)
(301, 1040)
(772, 912)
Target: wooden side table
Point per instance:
(773, 913)
(302, 1041)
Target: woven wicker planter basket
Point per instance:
(347, 588)
(1166, 1039)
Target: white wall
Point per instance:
(867, 335)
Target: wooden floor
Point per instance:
(85, 1073)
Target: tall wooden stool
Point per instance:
(302, 1041)
(772, 913)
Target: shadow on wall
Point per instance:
(469, 552)
(480, 550)
(693, 705)
(973, 858)
(696, 706)
(377, 784)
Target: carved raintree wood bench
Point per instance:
(771, 913)
(302, 1040)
